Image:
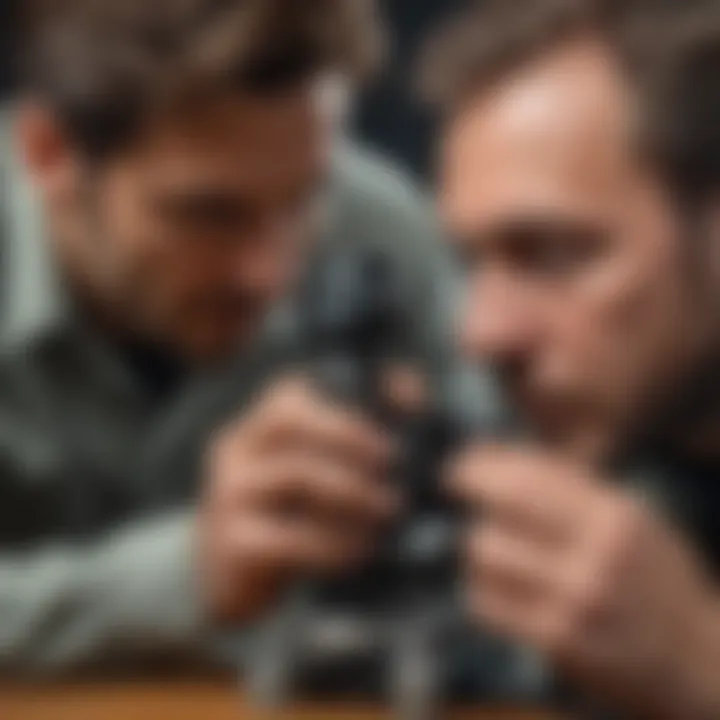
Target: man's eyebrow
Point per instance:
(208, 199)
(220, 205)
(198, 192)
(469, 244)
(532, 224)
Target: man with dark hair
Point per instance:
(581, 182)
(170, 163)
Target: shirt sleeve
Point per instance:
(65, 607)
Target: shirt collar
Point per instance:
(35, 303)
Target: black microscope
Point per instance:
(391, 631)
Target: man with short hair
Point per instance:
(172, 165)
(581, 182)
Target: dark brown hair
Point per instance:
(670, 49)
(104, 65)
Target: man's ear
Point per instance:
(45, 149)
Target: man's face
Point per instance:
(578, 290)
(190, 235)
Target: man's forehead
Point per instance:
(554, 134)
(287, 120)
(258, 144)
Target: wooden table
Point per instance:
(182, 701)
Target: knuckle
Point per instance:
(219, 458)
(585, 599)
(623, 531)
(559, 632)
(561, 636)
(336, 484)
(288, 399)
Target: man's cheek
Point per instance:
(594, 440)
(570, 371)
(627, 368)
(582, 386)
(607, 406)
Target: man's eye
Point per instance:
(557, 254)
(203, 216)
(211, 216)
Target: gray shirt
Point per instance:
(98, 476)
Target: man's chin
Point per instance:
(220, 344)
(584, 445)
(566, 429)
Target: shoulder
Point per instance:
(376, 199)
(371, 177)
(378, 206)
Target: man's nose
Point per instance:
(262, 264)
(259, 271)
(496, 324)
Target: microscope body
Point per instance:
(385, 631)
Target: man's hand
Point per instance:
(590, 577)
(297, 487)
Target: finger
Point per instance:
(522, 489)
(406, 389)
(505, 613)
(318, 485)
(347, 436)
(296, 545)
(541, 621)
(287, 391)
(529, 620)
(510, 562)
(481, 472)
(300, 417)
